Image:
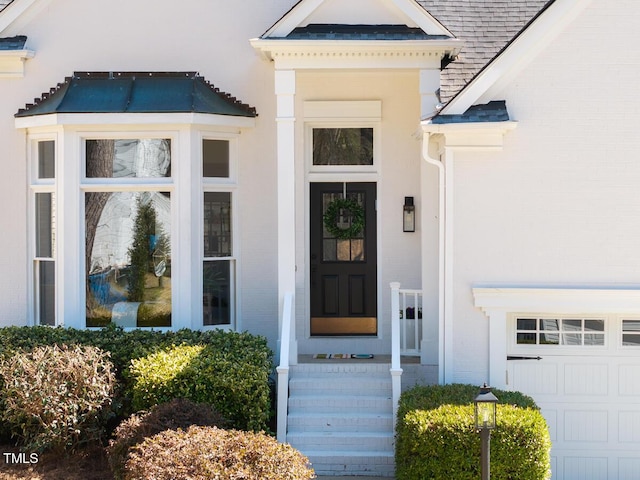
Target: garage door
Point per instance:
(584, 373)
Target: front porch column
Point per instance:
(285, 89)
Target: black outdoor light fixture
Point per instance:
(485, 419)
(408, 215)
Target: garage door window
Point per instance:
(631, 333)
(561, 331)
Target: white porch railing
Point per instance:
(286, 351)
(406, 333)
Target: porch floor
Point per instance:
(404, 360)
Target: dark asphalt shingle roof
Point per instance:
(360, 32)
(136, 92)
(13, 43)
(486, 27)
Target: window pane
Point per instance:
(47, 159)
(526, 338)
(629, 339)
(549, 325)
(593, 339)
(46, 274)
(572, 325)
(343, 146)
(216, 292)
(594, 325)
(526, 324)
(217, 224)
(128, 258)
(45, 235)
(148, 158)
(631, 325)
(215, 158)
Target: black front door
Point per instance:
(343, 259)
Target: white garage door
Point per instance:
(587, 383)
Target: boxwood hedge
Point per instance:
(436, 437)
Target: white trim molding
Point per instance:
(12, 62)
(498, 302)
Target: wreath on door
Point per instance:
(334, 212)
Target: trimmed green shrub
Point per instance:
(204, 453)
(178, 413)
(436, 436)
(235, 382)
(127, 345)
(57, 398)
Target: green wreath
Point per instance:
(332, 213)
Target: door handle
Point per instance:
(520, 357)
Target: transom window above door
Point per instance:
(343, 146)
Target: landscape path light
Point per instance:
(485, 420)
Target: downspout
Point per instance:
(426, 143)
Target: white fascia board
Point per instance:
(17, 13)
(12, 62)
(320, 51)
(472, 137)
(422, 17)
(292, 18)
(127, 119)
(519, 53)
(557, 300)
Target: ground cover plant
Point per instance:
(436, 437)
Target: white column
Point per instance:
(285, 89)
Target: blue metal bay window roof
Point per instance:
(136, 92)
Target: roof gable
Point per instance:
(136, 92)
(356, 12)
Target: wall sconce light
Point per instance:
(408, 215)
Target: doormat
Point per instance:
(343, 356)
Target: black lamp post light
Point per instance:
(485, 421)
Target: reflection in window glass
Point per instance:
(47, 159)
(343, 146)
(128, 258)
(216, 292)
(215, 158)
(146, 158)
(46, 281)
(217, 224)
(45, 236)
(565, 331)
(631, 333)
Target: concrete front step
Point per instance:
(352, 463)
(339, 404)
(341, 417)
(340, 422)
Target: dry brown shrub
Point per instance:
(178, 413)
(208, 453)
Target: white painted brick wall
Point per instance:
(560, 205)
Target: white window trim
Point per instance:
(38, 185)
(220, 184)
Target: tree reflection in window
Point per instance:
(343, 146)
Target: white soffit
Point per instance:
(517, 55)
(357, 12)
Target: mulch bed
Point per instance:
(90, 464)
